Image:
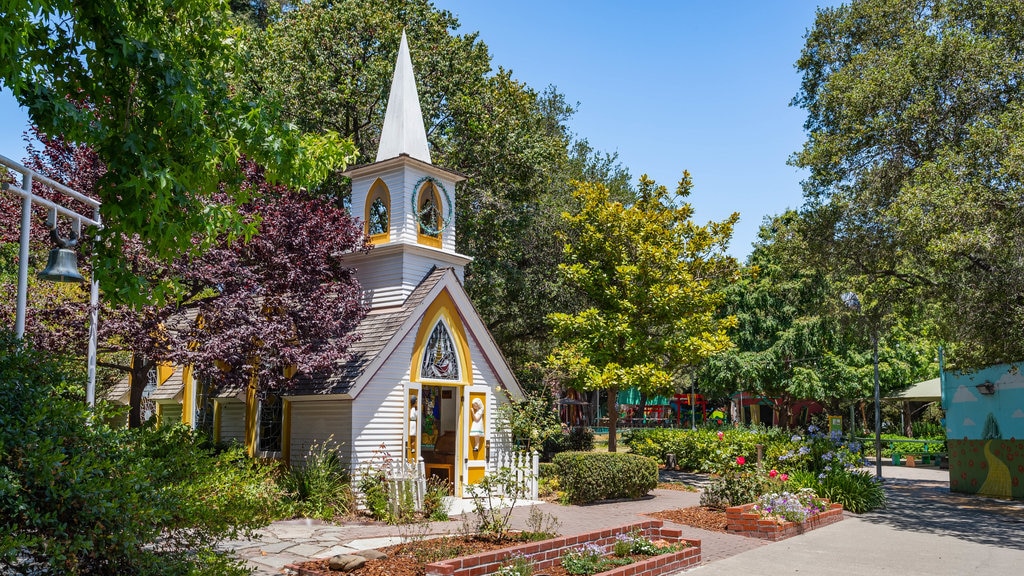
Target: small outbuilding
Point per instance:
(426, 379)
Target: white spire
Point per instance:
(403, 131)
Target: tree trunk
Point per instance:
(139, 377)
(613, 417)
(908, 429)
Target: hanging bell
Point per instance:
(62, 265)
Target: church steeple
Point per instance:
(403, 131)
(407, 204)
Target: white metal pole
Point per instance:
(26, 228)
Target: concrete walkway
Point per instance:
(925, 530)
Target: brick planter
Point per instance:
(547, 553)
(744, 521)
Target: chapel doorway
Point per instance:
(439, 418)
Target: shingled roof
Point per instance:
(375, 331)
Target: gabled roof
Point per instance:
(403, 131)
(382, 331)
(376, 330)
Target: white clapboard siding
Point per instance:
(391, 278)
(378, 412)
(315, 422)
(232, 421)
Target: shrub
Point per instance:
(79, 497)
(320, 486)
(580, 439)
(739, 483)
(856, 490)
(435, 507)
(591, 476)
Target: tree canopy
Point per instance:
(794, 338)
(150, 86)
(247, 310)
(914, 151)
(651, 279)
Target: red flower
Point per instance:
(773, 474)
(721, 435)
(784, 477)
(740, 460)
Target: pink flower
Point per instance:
(784, 477)
(721, 435)
(740, 460)
(773, 474)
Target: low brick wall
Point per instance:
(744, 521)
(546, 553)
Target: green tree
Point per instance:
(914, 146)
(652, 279)
(508, 138)
(794, 338)
(149, 85)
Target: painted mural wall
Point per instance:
(985, 428)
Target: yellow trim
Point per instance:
(159, 412)
(188, 397)
(426, 239)
(216, 421)
(443, 307)
(290, 371)
(252, 407)
(480, 453)
(164, 370)
(377, 190)
(286, 432)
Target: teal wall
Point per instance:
(967, 409)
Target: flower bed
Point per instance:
(547, 553)
(746, 520)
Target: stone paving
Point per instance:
(920, 504)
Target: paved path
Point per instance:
(925, 530)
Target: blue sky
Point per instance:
(686, 84)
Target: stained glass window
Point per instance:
(440, 361)
(203, 419)
(378, 223)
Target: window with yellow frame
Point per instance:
(428, 215)
(378, 213)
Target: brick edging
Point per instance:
(547, 553)
(741, 520)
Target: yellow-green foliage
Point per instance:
(592, 476)
(652, 279)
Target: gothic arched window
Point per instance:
(440, 360)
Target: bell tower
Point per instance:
(407, 204)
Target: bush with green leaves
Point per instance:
(857, 490)
(80, 497)
(738, 483)
(705, 449)
(592, 476)
(320, 484)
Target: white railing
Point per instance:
(525, 468)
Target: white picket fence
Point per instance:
(407, 481)
(525, 467)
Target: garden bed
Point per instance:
(743, 520)
(546, 554)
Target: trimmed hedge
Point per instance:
(592, 476)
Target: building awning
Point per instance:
(927, 391)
